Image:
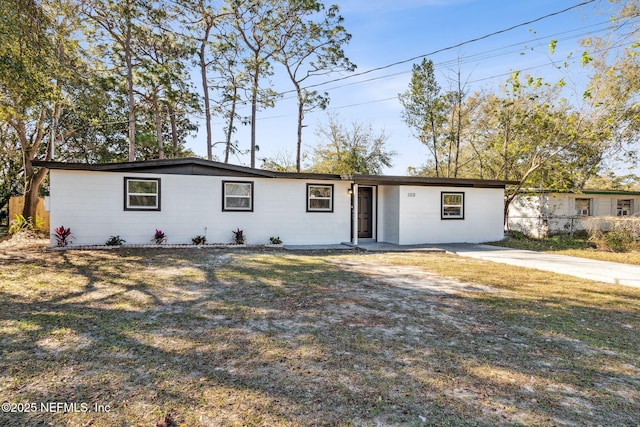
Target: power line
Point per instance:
(375, 101)
(444, 49)
(482, 55)
(488, 54)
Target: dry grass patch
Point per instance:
(217, 337)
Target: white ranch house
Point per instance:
(190, 197)
(541, 212)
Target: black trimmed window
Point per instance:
(141, 194)
(319, 197)
(452, 205)
(237, 196)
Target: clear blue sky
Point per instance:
(385, 32)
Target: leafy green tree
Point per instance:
(608, 109)
(93, 125)
(10, 165)
(204, 28)
(256, 23)
(459, 113)
(232, 85)
(199, 18)
(424, 110)
(354, 150)
(611, 181)
(136, 40)
(310, 44)
(166, 95)
(438, 119)
(531, 136)
(613, 93)
(114, 34)
(38, 58)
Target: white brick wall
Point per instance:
(91, 203)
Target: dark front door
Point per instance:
(365, 214)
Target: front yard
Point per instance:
(222, 338)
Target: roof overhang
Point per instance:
(180, 166)
(195, 166)
(428, 181)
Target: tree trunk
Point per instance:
(456, 160)
(33, 181)
(132, 100)
(451, 140)
(174, 129)
(254, 113)
(434, 140)
(205, 91)
(458, 125)
(505, 152)
(300, 119)
(232, 116)
(32, 178)
(158, 123)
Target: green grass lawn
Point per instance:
(252, 338)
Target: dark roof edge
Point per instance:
(430, 181)
(151, 164)
(148, 166)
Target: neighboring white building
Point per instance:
(539, 213)
(189, 197)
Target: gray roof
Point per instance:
(195, 166)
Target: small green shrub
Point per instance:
(581, 234)
(115, 241)
(615, 234)
(20, 223)
(519, 235)
(618, 241)
(199, 240)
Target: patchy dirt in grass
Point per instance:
(407, 277)
(21, 246)
(223, 338)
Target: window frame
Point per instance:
(309, 198)
(236, 209)
(620, 207)
(590, 208)
(157, 194)
(442, 205)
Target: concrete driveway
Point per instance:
(602, 271)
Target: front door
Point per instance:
(365, 212)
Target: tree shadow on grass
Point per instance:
(225, 338)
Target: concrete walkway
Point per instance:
(601, 271)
